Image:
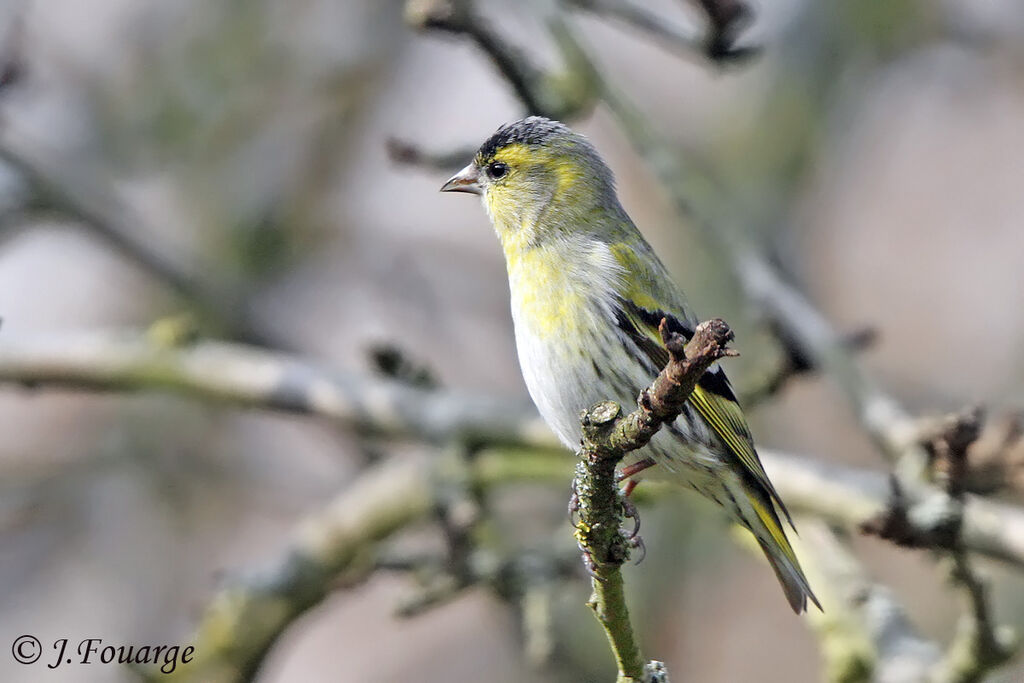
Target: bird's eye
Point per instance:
(496, 170)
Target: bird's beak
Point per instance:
(466, 180)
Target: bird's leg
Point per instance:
(636, 468)
(629, 470)
(629, 511)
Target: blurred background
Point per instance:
(241, 145)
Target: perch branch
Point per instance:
(247, 377)
(608, 436)
(517, 447)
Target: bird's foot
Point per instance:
(590, 564)
(629, 511)
(633, 469)
(632, 536)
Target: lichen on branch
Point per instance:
(608, 436)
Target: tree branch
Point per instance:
(865, 633)
(558, 95)
(246, 618)
(608, 436)
(248, 377)
(717, 45)
(980, 644)
(85, 196)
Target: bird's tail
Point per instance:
(764, 523)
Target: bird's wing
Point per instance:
(639, 315)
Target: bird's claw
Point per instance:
(629, 511)
(637, 543)
(632, 536)
(590, 564)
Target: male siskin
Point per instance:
(588, 294)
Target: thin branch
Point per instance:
(558, 95)
(717, 45)
(85, 196)
(248, 377)
(608, 436)
(865, 633)
(246, 618)
(981, 644)
(726, 19)
(793, 365)
(410, 154)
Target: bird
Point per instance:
(588, 294)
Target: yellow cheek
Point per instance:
(568, 176)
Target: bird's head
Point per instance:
(538, 179)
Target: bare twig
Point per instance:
(793, 364)
(563, 95)
(85, 196)
(716, 45)
(864, 632)
(726, 19)
(981, 644)
(246, 618)
(410, 154)
(608, 436)
(248, 377)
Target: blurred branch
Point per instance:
(245, 376)
(246, 618)
(562, 95)
(338, 543)
(725, 21)
(608, 437)
(726, 18)
(12, 57)
(981, 644)
(793, 365)
(865, 633)
(85, 196)
(410, 154)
